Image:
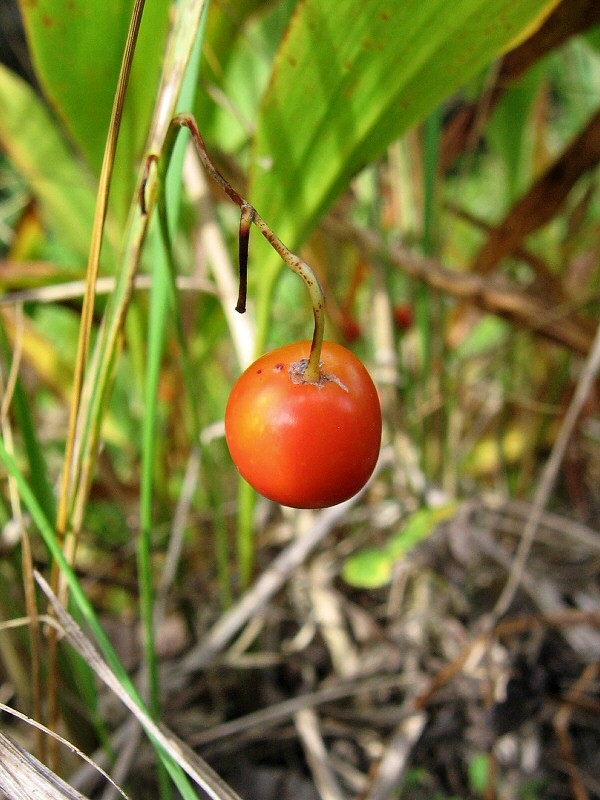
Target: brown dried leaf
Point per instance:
(543, 200)
(568, 19)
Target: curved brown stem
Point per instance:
(294, 262)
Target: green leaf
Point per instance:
(479, 772)
(77, 49)
(419, 527)
(38, 470)
(511, 133)
(235, 70)
(371, 569)
(352, 77)
(37, 149)
(488, 334)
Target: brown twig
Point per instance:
(488, 294)
(504, 629)
(543, 200)
(312, 373)
(566, 20)
(562, 719)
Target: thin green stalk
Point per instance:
(312, 371)
(425, 311)
(69, 478)
(171, 296)
(38, 469)
(221, 546)
(164, 296)
(156, 339)
(29, 687)
(431, 143)
(246, 548)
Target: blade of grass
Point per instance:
(221, 546)
(181, 42)
(424, 306)
(431, 134)
(9, 391)
(243, 334)
(163, 295)
(156, 340)
(38, 468)
(87, 313)
(69, 476)
(157, 322)
(52, 541)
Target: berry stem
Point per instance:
(250, 215)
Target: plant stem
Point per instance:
(70, 475)
(249, 214)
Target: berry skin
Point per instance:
(301, 444)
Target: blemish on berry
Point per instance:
(278, 367)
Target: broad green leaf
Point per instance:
(33, 142)
(351, 77)
(77, 48)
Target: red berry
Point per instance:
(306, 445)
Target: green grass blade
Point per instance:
(98, 381)
(156, 340)
(51, 541)
(163, 297)
(38, 470)
(81, 601)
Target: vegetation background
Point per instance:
(437, 164)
